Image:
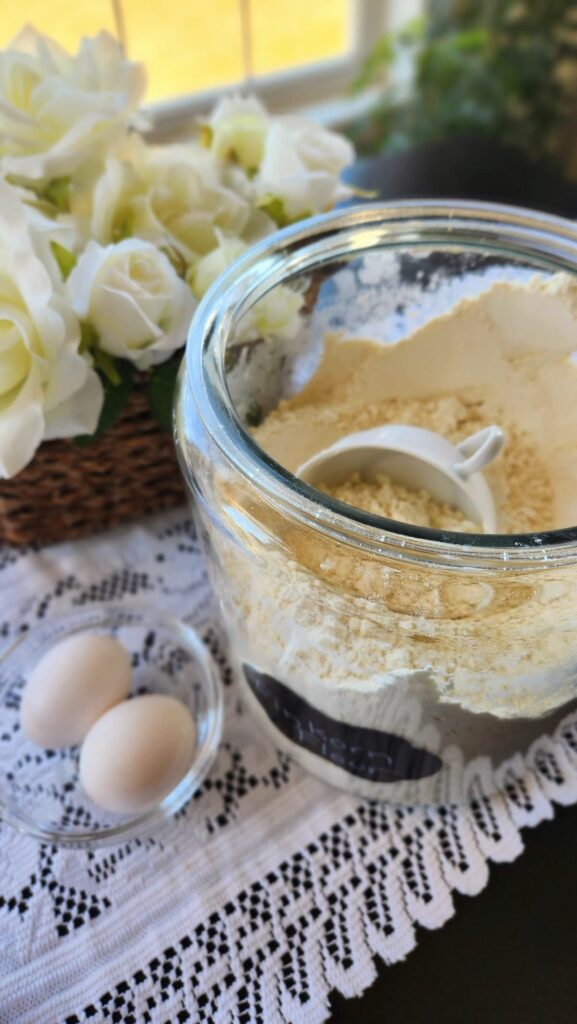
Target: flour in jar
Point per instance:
(335, 622)
(383, 496)
(503, 357)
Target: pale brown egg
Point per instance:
(74, 683)
(137, 752)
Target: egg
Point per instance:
(74, 683)
(137, 752)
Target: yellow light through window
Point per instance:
(60, 19)
(190, 45)
(186, 45)
(298, 32)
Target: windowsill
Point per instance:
(286, 93)
(341, 110)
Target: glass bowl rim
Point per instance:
(516, 232)
(96, 615)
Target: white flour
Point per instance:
(447, 657)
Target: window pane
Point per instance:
(60, 19)
(185, 44)
(190, 45)
(286, 34)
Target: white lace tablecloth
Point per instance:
(271, 889)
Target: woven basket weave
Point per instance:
(68, 491)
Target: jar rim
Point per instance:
(544, 240)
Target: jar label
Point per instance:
(367, 753)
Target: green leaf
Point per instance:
(107, 365)
(161, 388)
(379, 60)
(177, 260)
(65, 259)
(206, 135)
(57, 192)
(274, 207)
(123, 227)
(412, 32)
(88, 337)
(116, 396)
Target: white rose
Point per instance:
(110, 214)
(299, 173)
(205, 272)
(237, 130)
(174, 196)
(44, 231)
(187, 196)
(276, 315)
(133, 298)
(47, 388)
(59, 112)
(46, 234)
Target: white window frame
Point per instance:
(295, 88)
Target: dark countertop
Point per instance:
(467, 168)
(509, 956)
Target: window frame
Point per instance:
(293, 88)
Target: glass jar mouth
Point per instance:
(549, 242)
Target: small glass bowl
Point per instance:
(40, 791)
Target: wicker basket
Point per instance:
(68, 491)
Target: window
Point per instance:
(211, 43)
(294, 52)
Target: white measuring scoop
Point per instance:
(417, 459)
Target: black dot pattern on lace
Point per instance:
(275, 923)
(224, 958)
(221, 968)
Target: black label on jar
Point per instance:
(367, 753)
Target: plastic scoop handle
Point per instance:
(479, 450)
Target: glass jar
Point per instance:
(398, 662)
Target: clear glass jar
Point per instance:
(394, 661)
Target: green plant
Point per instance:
(499, 68)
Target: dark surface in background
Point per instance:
(467, 168)
(509, 956)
